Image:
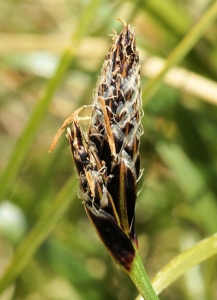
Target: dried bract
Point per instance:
(106, 155)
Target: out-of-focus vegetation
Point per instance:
(177, 205)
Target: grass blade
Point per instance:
(25, 140)
(181, 50)
(193, 186)
(183, 262)
(39, 232)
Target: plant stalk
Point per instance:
(140, 279)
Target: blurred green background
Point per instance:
(177, 205)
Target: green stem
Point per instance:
(181, 50)
(141, 280)
(27, 136)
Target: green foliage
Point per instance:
(53, 251)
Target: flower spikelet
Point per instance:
(106, 155)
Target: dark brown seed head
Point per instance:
(107, 156)
(119, 88)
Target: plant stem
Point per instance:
(140, 278)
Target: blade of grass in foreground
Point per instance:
(192, 184)
(40, 231)
(186, 260)
(25, 140)
(181, 50)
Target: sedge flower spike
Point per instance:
(106, 155)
